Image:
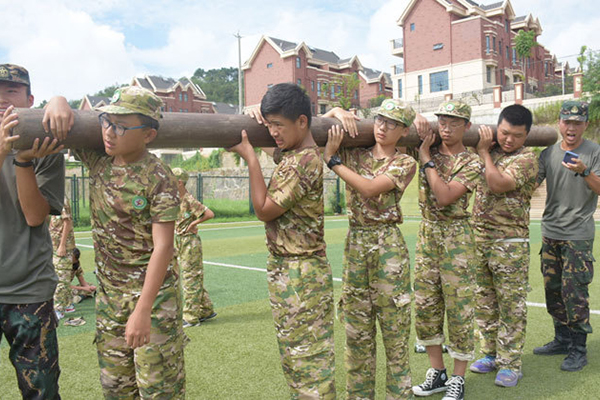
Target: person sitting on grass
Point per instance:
(84, 289)
(134, 203)
(299, 275)
(376, 281)
(197, 306)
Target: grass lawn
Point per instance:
(235, 355)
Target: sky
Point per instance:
(78, 47)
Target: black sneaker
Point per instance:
(456, 388)
(435, 381)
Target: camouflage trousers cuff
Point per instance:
(461, 356)
(435, 341)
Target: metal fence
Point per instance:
(204, 188)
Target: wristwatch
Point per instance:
(586, 172)
(333, 161)
(428, 164)
(25, 164)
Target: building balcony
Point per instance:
(397, 69)
(397, 47)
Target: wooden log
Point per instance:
(187, 130)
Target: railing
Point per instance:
(212, 188)
(398, 43)
(398, 69)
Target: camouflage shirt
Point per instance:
(385, 208)
(124, 203)
(464, 168)
(57, 223)
(506, 215)
(297, 186)
(190, 210)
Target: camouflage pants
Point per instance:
(500, 310)
(196, 302)
(154, 371)
(31, 333)
(376, 288)
(64, 267)
(444, 281)
(301, 295)
(568, 269)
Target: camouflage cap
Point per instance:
(398, 111)
(14, 73)
(455, 108)
(573, 110)
(181, 174)
(134, 100)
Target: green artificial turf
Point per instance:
(235, 356)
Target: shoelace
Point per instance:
(454, 385)
(429, 377)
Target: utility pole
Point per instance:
(239, 38)
(563, 77)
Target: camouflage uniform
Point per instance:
(62, 264)
(444, 273)
(299, 276)
(197, 304)
(124, 203)
(376, 285)
(501, 226)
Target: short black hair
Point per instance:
(146, 120)
(516, 115)
(76, 253)
(287, 99)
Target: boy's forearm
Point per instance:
(496, 180)
(155, 275)
(67, 226)
(34, 205)
(258, 188)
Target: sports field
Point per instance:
(235, 355)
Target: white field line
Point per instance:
(530, 304)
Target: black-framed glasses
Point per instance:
(119, 130)
(451, 125)
(391, 125)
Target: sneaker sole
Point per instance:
(573, 370)
(480, 371)
(511, 384)
(428, 392)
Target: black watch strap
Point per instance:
(333, 161)
(25, 164)
(586, 172)
(428, 164)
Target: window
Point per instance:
(299, 82)
(420, 78)
(185, 97)
(180, 97)
(507, 53)
(438, 81)
(546, 71)
(170, 109)
(488, 74)
(356, 95)
(487, 45)
(312, 86)
(528, 62)
(514, 52)
(412, 27)
(323, 109)
(506, 25)
(270, 65)
(399, 88)
(380, 87)
(494, 43)
(314, 108)
(500, 48)
(185, 110)
(297, 62)
(332, 91)
(438, 46)
(180, 110)
(338, 89)
(319, 89)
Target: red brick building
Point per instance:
(374, 83)
(179, 96)
(459, 46)
(277, 61)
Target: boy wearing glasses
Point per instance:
(134, 203)
(445, 251)
(376, 285)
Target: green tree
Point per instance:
(524, 42)
(591, 83)
(220, 85)
(582, 58)
(109, 90)
(75, 104)
(376, 101)
(344, 89)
